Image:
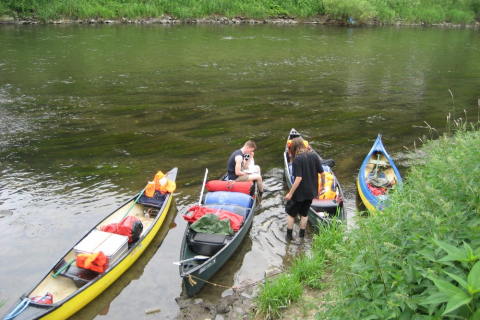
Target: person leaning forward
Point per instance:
(306, 167)
(238, 165)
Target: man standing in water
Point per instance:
(239, 163)
(306, 167)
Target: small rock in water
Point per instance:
(246, 295)
(153, 310)
(5, 213)
(227, 293)
(272, 272)
(198, 301)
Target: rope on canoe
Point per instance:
(193, 282)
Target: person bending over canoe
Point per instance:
(306, 167)
(239, 164)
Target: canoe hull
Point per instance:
(68, 306)
(378, 154)
(195, 276)
(321, 211)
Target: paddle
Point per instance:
(138, 198)
(190, 259)
(377, 181)
(376, 167)
(203, 186)
(63, 268)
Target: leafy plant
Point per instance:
(467, 276)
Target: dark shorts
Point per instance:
(292, 208)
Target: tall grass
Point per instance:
(418, 260)
(309, 269)
(427, 11)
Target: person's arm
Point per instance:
(238, 166)
(295, 185)
(322, 177)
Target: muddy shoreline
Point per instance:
(169, 20)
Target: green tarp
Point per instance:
(210, 224)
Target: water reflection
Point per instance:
(89, 113)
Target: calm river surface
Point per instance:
(88, 114)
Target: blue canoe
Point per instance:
(378, 174)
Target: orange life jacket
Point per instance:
(150, 190)
(164, 185)
(329, 192)
(93, 261)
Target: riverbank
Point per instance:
(223, 20)
(414, 259)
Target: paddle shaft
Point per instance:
(136, 200)
(203, 186)
(63, 268)
(376, 168)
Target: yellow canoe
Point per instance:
(73, 288)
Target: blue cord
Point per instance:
(24, 304)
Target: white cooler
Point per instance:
(112, 245)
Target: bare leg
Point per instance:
(303, 222)
(290, 221)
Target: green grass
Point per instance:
(418, 260)
(387, 11)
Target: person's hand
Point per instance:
(288, 196)
(322, 190)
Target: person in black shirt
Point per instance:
(306, 167)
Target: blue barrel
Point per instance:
(225, 197)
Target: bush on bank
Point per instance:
(385, 11)
(418, 260)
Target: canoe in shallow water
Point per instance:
(74, 287)
(321, 210)
(378, 174)
(214, 250)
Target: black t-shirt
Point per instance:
(308, 168)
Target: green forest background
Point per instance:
(360, 11)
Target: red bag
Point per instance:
(93, 261)
(231, 185)
(130, 226)
(46, 299)
(198, 212)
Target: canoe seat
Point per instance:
(206, 244)
(383, 163)
(79, 276)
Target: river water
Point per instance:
(88, 114)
